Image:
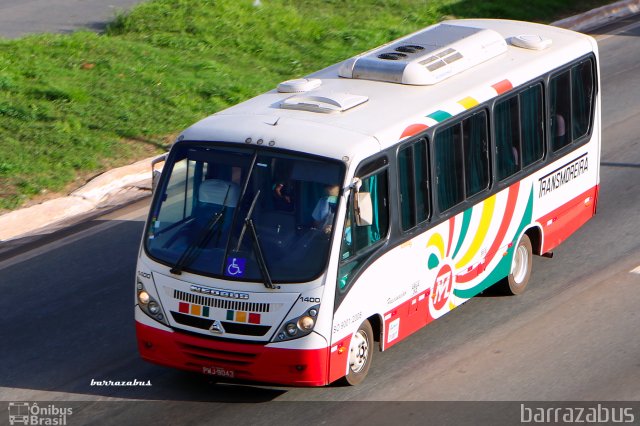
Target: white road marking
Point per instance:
(636, 270)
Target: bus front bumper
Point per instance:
(230, 360)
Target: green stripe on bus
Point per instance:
(439, 115)
(466, 220)
(503, 268)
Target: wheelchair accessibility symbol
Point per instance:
(235, 266)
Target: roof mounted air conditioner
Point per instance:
(427, 57)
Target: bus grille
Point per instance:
(229, 327)
(239, 362)
(216, 356)
(221, 303)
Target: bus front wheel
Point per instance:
(518, 278)
(360, 354)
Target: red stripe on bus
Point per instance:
(339, 359)
(413, 129)
(452, 228)
(560, 223)
(413, 315)
(512, 198)
(502, 86)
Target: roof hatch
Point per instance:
(323, 101)
(428, 56)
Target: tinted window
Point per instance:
(519, 122)
(461, 160)
(560, 101)
(449, 166)
(476, 153)
(413, 181)
(582, 92)
(532, 124)
(356, 238)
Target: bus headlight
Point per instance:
(306, 323)
(298, 327)
(143, 297)
(154, 308)
(292, 329)
(148, 304)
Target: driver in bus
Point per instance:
(325, 209)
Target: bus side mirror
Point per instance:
(363, 208)
(155, 174)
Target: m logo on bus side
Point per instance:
(442, 287)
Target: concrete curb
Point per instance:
(115, 187)
(130, 183)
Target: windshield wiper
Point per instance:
(193, 250)
(248, 223)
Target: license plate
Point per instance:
(218, 371)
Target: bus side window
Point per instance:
(462, 160)
(476, 153)
(532, 125)
(582, 93)
(356, 239)
(560, 98)
(448, 166)
(413, 184)
(507, 138)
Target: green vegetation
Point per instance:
(74, 105)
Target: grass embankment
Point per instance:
(74, 105)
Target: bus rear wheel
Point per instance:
(360, 354)
(521, 264)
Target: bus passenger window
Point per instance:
(531, 117)
(507, 138)
(413, 184)
(476, 154)
(560, 99)
(449, 163)
(582, 98)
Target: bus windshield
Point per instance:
(244, 213)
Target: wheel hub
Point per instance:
(519, 265)
(358, 352)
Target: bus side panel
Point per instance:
(338, 359)
(414, 314)
(560, 223)
(435, 272)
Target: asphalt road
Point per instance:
(67, 318)
(21, 17)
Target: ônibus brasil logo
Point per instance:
(26, 413)
(442, 287)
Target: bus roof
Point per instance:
(367, 103)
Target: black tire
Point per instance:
(520, 272)
(360, 354)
